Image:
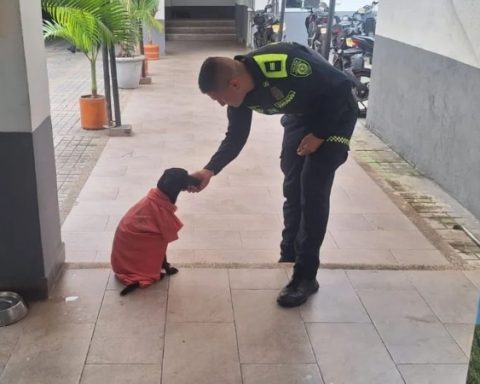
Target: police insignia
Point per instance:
(276, 93)
(300, 68)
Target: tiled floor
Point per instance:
(237, 219)
(223, 326)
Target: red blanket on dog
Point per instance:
(141, 239)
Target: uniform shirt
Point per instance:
(292, 79)
(141, 239)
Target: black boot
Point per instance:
(296, 292)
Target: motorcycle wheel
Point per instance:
(258, 40)
(361, 92)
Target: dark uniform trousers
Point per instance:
(307, 185)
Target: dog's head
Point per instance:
(175, 180)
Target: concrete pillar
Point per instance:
(31, 250)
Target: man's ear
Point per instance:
(235, 83)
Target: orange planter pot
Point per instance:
(93, 112)
(152, 51)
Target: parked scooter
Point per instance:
(316, 24)
(267, 27)
(351, 61)
(366, 18)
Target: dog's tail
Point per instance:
(129, 288)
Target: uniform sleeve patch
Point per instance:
(273, 65)
(300, 68)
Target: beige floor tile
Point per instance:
(117, 207)
(96, 191)
(75, 300)
(103, 256)
(365, 204)
(200, 295)
(53, 354)
(396, 305)
(352, 353)
(463, 335)
(9, 338)
(129, 329)
(430, 373)
(357, 256)
(267, 333)
(234, 222)
(450, 294)
(199, 240)
(80, 256)
(348, 222)
(201, 353)
(390, 221)
(260, 239)
(419, 257)
(335, 301)
(87, 241)
(112, 222)
(257, 278)
(131, 344)
(281, 374)
(381, 240)
(85, 223)
(380, 280)
(236, 256)
(109, 170)
(474, 277)
(416, 342)
(122, 374)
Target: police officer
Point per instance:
(319, 117)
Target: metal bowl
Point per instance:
(12, 308)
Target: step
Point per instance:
(200, 23)
(204, 29)
(202, 37)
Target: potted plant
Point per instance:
(142, 12)
(152, 50)
(87, 24)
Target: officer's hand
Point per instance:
(309, 144)
(204, 176)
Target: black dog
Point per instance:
(133, 260)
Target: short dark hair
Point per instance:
(215, 73)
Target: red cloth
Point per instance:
(141, 239)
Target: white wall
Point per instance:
(182, 3)
(349, 5)
(450, 28)
(16, 78)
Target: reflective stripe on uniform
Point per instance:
(273, 65)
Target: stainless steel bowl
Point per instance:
(12, 308)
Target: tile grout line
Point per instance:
(438, 318)
(165, 333)
(94, 327)
(374, 326)
(235, 327)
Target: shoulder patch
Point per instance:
(300, 68)
(272, 65)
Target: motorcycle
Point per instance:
(351, 61)
(316, 24)
(267, 27)
(366, 17)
